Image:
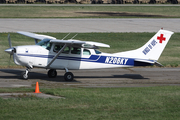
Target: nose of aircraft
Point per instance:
(9, 50)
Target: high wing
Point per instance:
(84, 44)
(36, 36)
(78, 43)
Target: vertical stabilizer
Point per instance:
(153, 49)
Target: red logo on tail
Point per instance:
(161, 38)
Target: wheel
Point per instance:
(24, 75)
(68, 76)
(52, 73)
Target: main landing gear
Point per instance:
(52, 73)
(68, 76)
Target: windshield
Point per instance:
(45, 44)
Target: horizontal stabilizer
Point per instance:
(140, 62)
(158, 64)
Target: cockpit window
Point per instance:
(97, 52)
(45, 44)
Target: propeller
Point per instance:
(10, 50)
(9, 39)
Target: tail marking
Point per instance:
(161, 38)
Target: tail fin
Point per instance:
(152, 49)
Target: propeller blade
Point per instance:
(9, 39)
(9, 61)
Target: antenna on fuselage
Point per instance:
(74, 36)
(66, 36)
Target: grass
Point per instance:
(97, 103)
(118, 41)
(82, 11)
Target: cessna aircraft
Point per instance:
(51, 53)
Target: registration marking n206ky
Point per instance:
(116, 60)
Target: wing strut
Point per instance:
(36, 41)
(54, 58)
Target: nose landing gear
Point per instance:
(25, 74)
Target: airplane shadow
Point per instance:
(130, 76)
(16, 74)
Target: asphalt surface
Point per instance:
(90, 25)
(131, 77)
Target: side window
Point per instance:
(59, 47)
(66, 50)
(97, 52)
(75, 50)
(86, 52)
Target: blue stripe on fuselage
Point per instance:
(92, 58)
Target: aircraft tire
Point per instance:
(68, 76)
(24, 76)
(52, 73)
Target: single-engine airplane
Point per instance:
(51, 53)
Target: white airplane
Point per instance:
(51, 53)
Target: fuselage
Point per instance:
(70, 58)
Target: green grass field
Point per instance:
(118, 41)
(149, 103)
(84, 11)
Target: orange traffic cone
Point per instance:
(37, 88)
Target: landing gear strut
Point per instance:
(25, 74)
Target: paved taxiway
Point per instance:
(90, 25)
(131, 77)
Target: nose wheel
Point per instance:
(25, 74)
